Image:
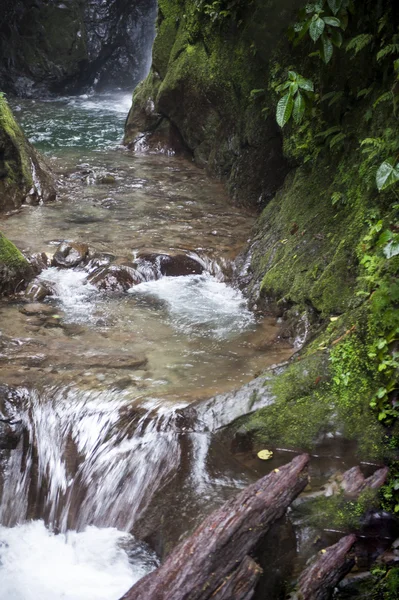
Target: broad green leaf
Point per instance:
(387, 174)
(392, 249)
(327, 49)
(293, 88)
(305, 84)
(292, 75)
(316, 28)
(284, 109)
(334, 5)
(336, 38)
(299, 108)
(283, 86)
(332, 21)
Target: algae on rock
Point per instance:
(14, 267)
(24, 176)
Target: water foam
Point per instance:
(90, 565)
(74, 293)
(200, 305)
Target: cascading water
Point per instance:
(109, 448)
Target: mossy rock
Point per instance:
(15, 270)
(201, 80)
(24, 176)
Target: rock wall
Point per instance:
(24, 175)
(65, 47)
(324, 251)
(199, 94)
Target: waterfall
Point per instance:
(88, 458)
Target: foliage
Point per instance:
(380, 252)
(325, 21)
(297, 98)
(219, 11)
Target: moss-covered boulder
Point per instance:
(24, 176)
(200, 85)
(15, 270)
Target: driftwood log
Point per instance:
(318, 581)
(214, 562)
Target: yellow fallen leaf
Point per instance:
(333, 319)
(265, 454)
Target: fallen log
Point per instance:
(213, 563)
(318, 581)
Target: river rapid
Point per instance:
(108, 458)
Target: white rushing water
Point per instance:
(95, 564)
(71, 289)
(200, 305)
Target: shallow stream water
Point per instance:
(103, 437)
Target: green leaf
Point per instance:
(284, 109)
(334, 5)
(392, 249)
(305, 84)
(332, 21)
(293, 88)
(292, 75)
(316, 28)
(387, 174)
(336, 38)
(299, 108)
(327, 49)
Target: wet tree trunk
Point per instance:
(317, 582)
(214, 562)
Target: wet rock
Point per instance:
(36, 309)
(40, 261)
(115, 278)
(99, 259)
(70, 254)
(168, 265)
(107, 179)
(10, 423)
(109, 361)
(37, 291)
(123, 383)
(15, 270)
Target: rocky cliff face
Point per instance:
(199, 93)
(54, 46)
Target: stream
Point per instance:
(108, 460)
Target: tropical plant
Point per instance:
(297, 98)
(324, 20)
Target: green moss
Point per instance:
(10, 256)
(18, 164)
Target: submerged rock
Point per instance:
(37, 291)
(115, 278)
(169, 265)
(107, 179)
(38, 309)
(70, 254)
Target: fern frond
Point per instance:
(359, 42)
(365, 91)
(337, 139)
(386, 97)
(377, 143)
(332, 130)
(387, 50)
